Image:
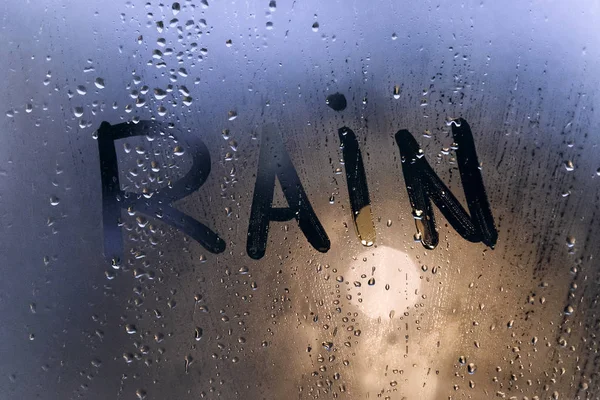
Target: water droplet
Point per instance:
(78, 111)
(178, 151)
(141, 394)
(396, 92)
(269, 25)
(159, 94)
(534, 340)
(394, 36)
(81, 90)
(315, 27)
(471, 368)
(231, 115)
(569, 310)
(272, 5)
(569, 166)
(176, 7)
(371, 281)
(570, 241)
(99, 82)
(336, 101)
(130, 329)
(54, 200)
(198, 333)
(243, 270)
(228, 43)
(451, 120)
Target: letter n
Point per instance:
(424, 186)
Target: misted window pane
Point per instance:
(299, 200)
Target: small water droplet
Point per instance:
(178, 151)
(471, 368)
(569, 310)
(243, 270)
(336, 101)
(315, 27)
(570, 241)
(569, 166)
(78, 111)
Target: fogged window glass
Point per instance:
(299, 200)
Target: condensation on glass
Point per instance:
(299, 200)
